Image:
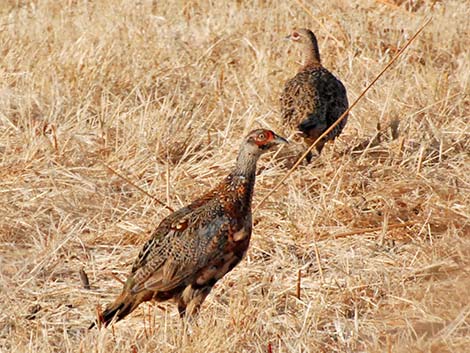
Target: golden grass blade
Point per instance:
(299, 284)
(366, 230)
(301, 158)
(317, 257)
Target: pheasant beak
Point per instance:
(287, 37)
(279, 139)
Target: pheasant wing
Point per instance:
(302, 102)
(191, 244)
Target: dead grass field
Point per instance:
(379, 226)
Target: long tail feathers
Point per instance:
(119, 309)
(122, 306)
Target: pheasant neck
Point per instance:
(246, 164)
(312, 53)
(243, 178)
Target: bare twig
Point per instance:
(117, 278)
(317, 257)
(299, 280)
(84, 279)
(420, 160)
(137, 187)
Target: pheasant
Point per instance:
(313, 99)
(197, 245)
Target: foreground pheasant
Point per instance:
(198, 244)
(313, 99)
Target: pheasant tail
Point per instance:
(123, 306)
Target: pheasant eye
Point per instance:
(261, 137)
(295, 35)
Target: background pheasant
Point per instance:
(313, 99)
(198, 244)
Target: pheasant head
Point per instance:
(254, 145)
(309, 45)
(262, 140)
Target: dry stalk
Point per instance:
(117, 278)
(299, 280)
(84, 279)
(317, 257)
(327, 131)
(367, 230)
(420, 160)
(137, 187)
(99, 316)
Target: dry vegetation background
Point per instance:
(163, 92)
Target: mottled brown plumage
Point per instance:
(198, 244)
(313, 99)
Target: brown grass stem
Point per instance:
(84, 279)
(117, 278)
(317, 258)
(366, 230)
(298, 286)
(137, 187)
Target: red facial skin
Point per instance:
(264, 138)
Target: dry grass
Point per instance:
(378, 227)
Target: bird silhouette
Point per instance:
(314, 98)
(197, 245)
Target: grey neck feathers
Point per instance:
(312, 53)
(246, 161)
